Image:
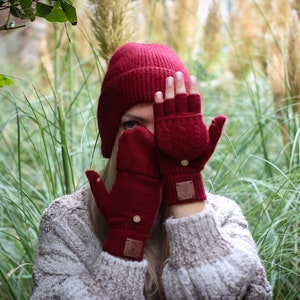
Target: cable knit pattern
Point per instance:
(212, 256)
(70, 263)
(178, 143)
(212, 264)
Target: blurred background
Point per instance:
(245, 54)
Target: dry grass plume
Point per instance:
(185, 28)
(296, 6)
(293, 63)
(213, 36)
(153, 18)
(112, 23)
(276, 74)
(247, 43)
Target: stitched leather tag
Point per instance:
(133, 248)
(185, 190)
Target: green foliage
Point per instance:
(250, 166)
(47, 140)
(61, 11)
(4, 81)
(55, 11)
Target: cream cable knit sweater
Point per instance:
(212, 256)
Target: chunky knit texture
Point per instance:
(212, 256)
(135, 72)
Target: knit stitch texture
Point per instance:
(135, 72)
(212, 256)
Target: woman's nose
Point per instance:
(150, 127)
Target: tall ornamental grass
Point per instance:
(49, 138)
(47, 142)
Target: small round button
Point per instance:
(137, 219)
(184, 162)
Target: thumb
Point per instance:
(215, 130)
(97, 186)
(214, 133)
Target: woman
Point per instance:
(145, 228)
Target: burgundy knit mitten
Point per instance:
(131, 207)
(185, 145)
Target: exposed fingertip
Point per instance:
(158, 97)
(179, 75)
(170, 81)
(193, 85)
(193, 79)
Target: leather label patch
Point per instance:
(133, 248)
(185, 190)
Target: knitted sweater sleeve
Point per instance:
(70, 263)
(213, 256)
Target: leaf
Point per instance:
(68, 1)
(29, 14)
(51, 13)
(43, 10)
(57, 14)
(69, 11)
(16, 12)
(4, 81)
(25, 4)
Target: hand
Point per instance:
(185, 143)
(131, 207)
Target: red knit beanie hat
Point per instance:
(135, 72)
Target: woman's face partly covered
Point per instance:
(142, 114)
(138, 115)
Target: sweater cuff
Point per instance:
(120, 274)
(195, 240)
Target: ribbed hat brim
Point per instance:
(135, 84)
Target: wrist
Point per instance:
(184, 210)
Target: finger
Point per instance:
(194, 99)
(181, 103)
(215, 131)
(96, 184)
(92, 176)
(193, 85)
(194, 103)
(158, 97)
(179, 83)
(169, 106)
(158, 107)
(169, 90)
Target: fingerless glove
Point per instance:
(185, 144)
